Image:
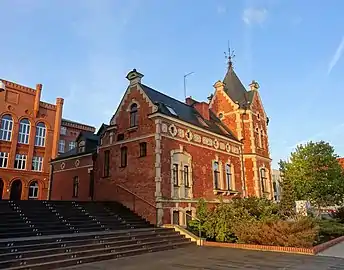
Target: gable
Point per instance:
(126, 97)
(257, 104)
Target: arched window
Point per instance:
(75, 186)
(24, 131)
(263, 179)
(229, 176)
(6, 128)
(41, 131)
(133, 115)
(33, 190)
(216, 175)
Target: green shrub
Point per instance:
(331, 228)
(301, 232)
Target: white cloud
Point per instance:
(254, 16)
(336, 56)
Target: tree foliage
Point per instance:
(313, 173)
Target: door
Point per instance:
(16, 190)
(1, 188)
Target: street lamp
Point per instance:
(2, 86)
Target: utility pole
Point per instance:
(185, 82)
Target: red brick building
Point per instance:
(29, 135)
(29, 138)
(159, 155)
(69, 131)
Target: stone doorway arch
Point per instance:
(16, 190)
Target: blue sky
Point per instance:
(82, 51)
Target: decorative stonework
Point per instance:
(189, 135)
(77, 163)
(228, 147)
(216, 144)
(235, 149)
(207, 141)
(222, 146)
(164, 128)
(173, 130)
(197, 138)
(181, 133)
(63, 165)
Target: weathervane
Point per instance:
(229, 56)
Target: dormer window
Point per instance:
(133, 115)
(202, 121)
(171, 110)
(81, 147)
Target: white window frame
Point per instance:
(37, 164)
(63, 131)
(3, 159)
(62, 145)
(71, 145)
(34, 188)
(41, 132)
(6, 128)
(21, 162)
(24, 131)
(228, 176)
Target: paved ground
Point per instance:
(335, 251)
(211, 258)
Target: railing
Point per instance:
(136, 197)
(199, 223)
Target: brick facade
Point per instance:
(159, 156)
(31, 128)
(28, 117)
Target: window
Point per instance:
(143, 149)
(3, 159)
(120, 137)
(75, 186)
(261, 139)
(24, 131)
(71, 145)
(175, 174)
(20, 162)
(40, 134)
(171, 110)
(6, 128)
(106, 163)
(186, 176)
(63, 131)
(176, 217)
(33, 190)
(61, 146)
(216, 175)
(81, 147)
(228, 176)
(133, 115)
(124, 152)
(37, 164)
(263, 179)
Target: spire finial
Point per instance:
(229, 56)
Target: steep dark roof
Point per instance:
(235, 89)
(86, 135)
(185, 112)
(77, 123)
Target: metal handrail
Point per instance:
(199, 223)
(137, 196)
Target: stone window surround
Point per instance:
(182, 214)
(181, 164)
(223, 187)
(267, 180)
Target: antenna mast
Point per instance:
(185, 82)
(229, 56)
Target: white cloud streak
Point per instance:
(336, 56)
(252, 16)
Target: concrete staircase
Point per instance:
(54, 234)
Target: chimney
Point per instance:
(134, 77)
(37, 99)
(189, 101)
(203, 109)
(254, 86)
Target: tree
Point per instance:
(313, 173)
(287, 202)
